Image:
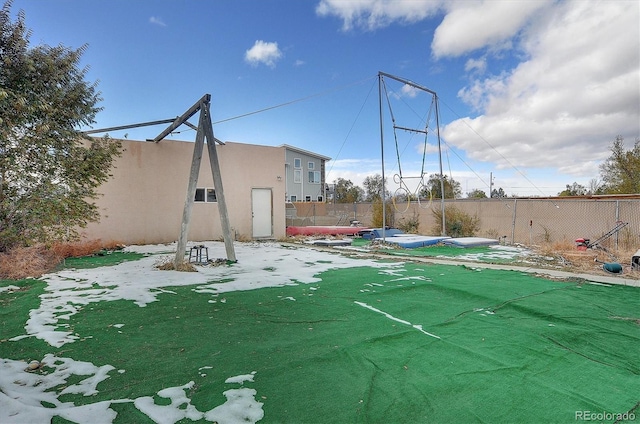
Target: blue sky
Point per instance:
(531, 91)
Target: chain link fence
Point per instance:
(516, 220)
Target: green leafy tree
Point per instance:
(477, 194)
(48, 174)
(498, 193)
(621, 171)
(452, 188)
(346, 192)
(574, 189)
(373, 188)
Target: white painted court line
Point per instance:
(416, 326)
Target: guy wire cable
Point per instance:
(500, 154)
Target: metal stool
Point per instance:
(196, 253)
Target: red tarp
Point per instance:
(333, 230)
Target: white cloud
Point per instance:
(472, 25)
(561, 107)
(299, 62)
(406, 91)
(432, 148)
(409, 91)
(563, 84)
(263, 52)
(156, 20)
(476, 65)
(373, 14)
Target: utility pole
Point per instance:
(490, 185)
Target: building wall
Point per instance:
(304, 188)
(144, 200)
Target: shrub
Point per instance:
(376, 219)
(492, 233)
(457, 223)
(546, 234)
(410, 224)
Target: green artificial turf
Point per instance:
(479, 253)
(359, 242)
(510, 347)
(440, 250)
(105, 258)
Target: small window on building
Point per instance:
(307, 198)
(297, 176)
(205, 195)
(297, 163)
(311, 165)
(320, 199)
(314, 177)
(294, 199)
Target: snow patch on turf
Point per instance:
(259, 265)
(23, 395)
(496, 252)
(396, 319)
(240, 379)
(240, 407)
(33, 396)
(9, 288)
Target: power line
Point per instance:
(322, 93)
(495, 150)
(351, 128)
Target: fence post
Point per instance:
(617, 220)
(513, 223)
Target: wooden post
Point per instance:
(191, 190)
(217, 183)
(183, 118)
(204, 130)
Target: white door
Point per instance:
(261, 212)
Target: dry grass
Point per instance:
(244, 238)
(590, 260)
(25, 262)
(33, 261)
(84, 248)
(168, 265)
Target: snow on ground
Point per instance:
(259, 265)
(391, 317)
(496, 252)
(501, 252)
(9, 288)
(33, 396)
(30, 397)
(23, 394)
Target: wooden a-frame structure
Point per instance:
(204, 132)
